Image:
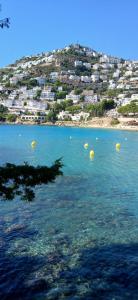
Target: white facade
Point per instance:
(128, 73)
(103, 77)
(32, 118)
(109, 59)
(47, 95)
(63, 115)
(74, 98)
(116, 74)
(14, 80)
(95, 77)
(86, 79)
(80, 116)
(74, 77)
(41, 80)
(87, 65)
(90, 99)
(112, 85)
(134, 97)
(96, 66)
(54, 76)
(78, 63)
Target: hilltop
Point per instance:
(75, 83)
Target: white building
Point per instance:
(60, 88)
(124, 101)
(74, 77)
(30, 93)
(87, 65)
(34, 105)
(47, 95)
(33, 118)
(109, 59)
(112, 84)
(128, 73)
(96, 66)
(78, 63)
(54, 76)
(74, 98)
(41, 80)
(81, 116)
(63, 115)
(120, 86)
(90, 99)
(86, 79)
(1, 88)
(95, 77)
(134, 97)
(103, 77)
(116, 74)
(14, 80)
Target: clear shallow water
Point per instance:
(79, 239)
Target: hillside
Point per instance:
(72, 83)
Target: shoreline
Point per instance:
(95, 123)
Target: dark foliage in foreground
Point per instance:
(21, 179)
(5, 23)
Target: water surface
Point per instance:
(79, 238)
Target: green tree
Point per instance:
(114, 93)
(7, 84)
(129, 108)
(74, 108)
(21, 179)
(107, 105)
(99, 109)
(3, 109)
(68, 103)
(78, 91)
(11, 118)
(38, 94)
(61, 95)
(4, 22)
(51, 117)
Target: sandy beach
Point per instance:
(103, 122)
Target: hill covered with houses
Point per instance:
(75, 83)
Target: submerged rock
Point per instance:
(37, 285)
(15, 227)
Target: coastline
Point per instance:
(103, 123)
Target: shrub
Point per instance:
(11, 118)
(114, 122)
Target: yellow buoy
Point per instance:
(91, 154)
(33, 144)
(118, 146)
(86, 146)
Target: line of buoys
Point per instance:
(33, 144)
(86, 145)
(91, 154)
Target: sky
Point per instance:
(108, 26)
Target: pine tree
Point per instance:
(4, 22)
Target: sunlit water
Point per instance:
(79, 238)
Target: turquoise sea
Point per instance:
(79, 238)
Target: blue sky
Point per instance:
(109, 26)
